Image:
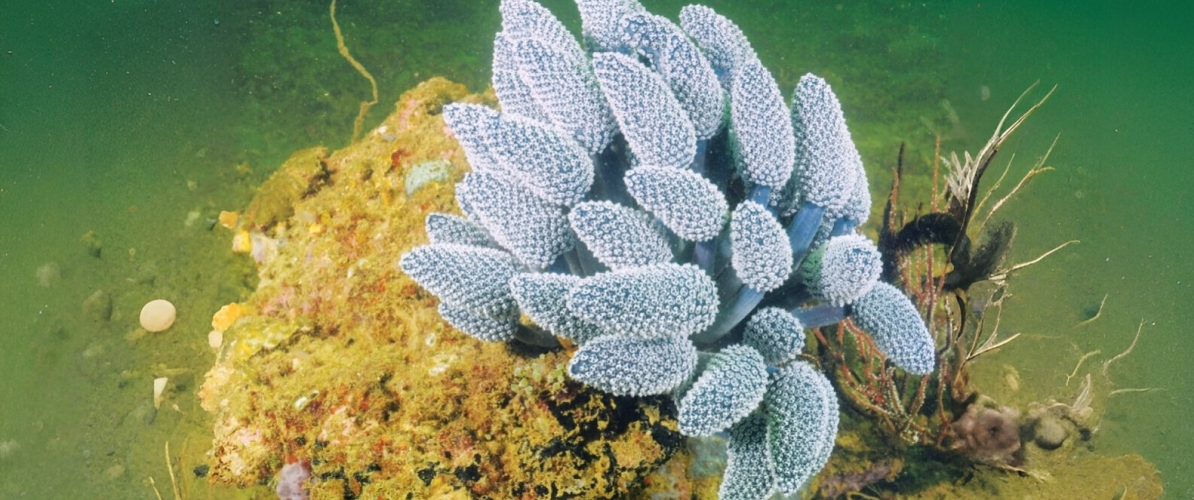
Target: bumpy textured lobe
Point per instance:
(554, 69)
(859, 207)
(843, 269)
(748, 474)
(799, 405)
(568, 93)
(650, 117)
(472, 125)
(479, 326)
(467, 277)
(682, 66)
(858, 204)
(728, 390)
(448, 228)
(703, 359)
(543, 297)
(619, 236)
(523, 19)
(824, 174)
(533, 229)
(551, 165)
(776, 334)
(761, 255)
(633, 367)
(662, 300)
(687, 203)
(832, 415)
(896, 327)
(513, 94)
(599, 20)
(761, 125)
(724, 44)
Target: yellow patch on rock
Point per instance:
(226, 316)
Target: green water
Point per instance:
(1122, 186)
(130, 118)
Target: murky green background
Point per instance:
(129, 119)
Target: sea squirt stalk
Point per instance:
(615, 205)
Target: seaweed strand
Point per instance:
(359, 122)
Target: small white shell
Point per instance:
(159, 386)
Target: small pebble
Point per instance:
(144, 412)
(425, 172)
(157, 315)
(98, 306)
(114, 472)
(1049, 433)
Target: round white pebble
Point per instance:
(157, 315)
(215, 339)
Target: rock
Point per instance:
(92, 244)
(428, 171)
(302, 174)
(147, 273)
(98, 306)
(493, 424)
(1049, 433)
(93, 350)
(144, 412)
(157, 315)
(114, 472)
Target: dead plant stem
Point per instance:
(340, 46)
(1079, 365)
(1107, 363)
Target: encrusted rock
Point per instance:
(1049, 432)
(342, 361)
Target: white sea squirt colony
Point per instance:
(651, 196)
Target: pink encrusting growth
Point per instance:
(292, 481)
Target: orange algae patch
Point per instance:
(226, 316)
(228, 219)
(340, 359)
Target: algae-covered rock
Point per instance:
(1049, 432)
(428, 171)
(98, 306)
(303, 173)
(342, 360)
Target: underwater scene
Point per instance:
(568, 249)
